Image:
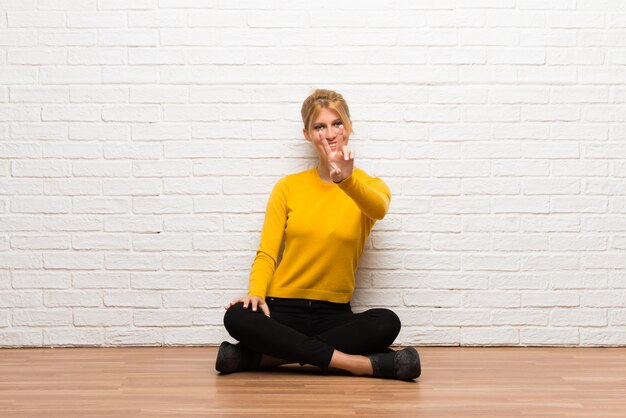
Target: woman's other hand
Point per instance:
(255, 301)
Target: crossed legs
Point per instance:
(343, 343)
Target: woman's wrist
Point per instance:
(341, 181)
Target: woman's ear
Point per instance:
(306, 134)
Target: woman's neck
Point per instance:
(323, 171)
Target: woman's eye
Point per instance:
(338, 123)
(319, 128)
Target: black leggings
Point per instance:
(308, 331)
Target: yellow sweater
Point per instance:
(325, 226)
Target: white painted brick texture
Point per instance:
(140, 139)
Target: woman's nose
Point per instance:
(332, 132)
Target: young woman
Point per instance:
(298, 309)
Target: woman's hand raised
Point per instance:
(341, 159)
(255, 301)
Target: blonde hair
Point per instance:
(325, 99)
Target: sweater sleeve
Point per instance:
(371, 195)
(264, 264)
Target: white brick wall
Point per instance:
(139, 140)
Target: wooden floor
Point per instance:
(182, 382)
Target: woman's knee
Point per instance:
(387, 323)
(235, 319)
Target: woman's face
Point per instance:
(327, 125)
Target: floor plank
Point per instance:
(182, 382)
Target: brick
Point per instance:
(98, 94)
(96, 20)
(17, 150)
(551, 151)
(584, 318)
(162, 242)
(132, 337)
(130, 75)
(141, 151)
(36, 19)
(72, 223)
(98, 280)
(131, 187)
(67, 38)
(73, 337)
(101, 317)
(161, 168)
(96, 56)
(19, 113)
(18, 37)
(575, 56)
(490, 187)
(101, 169)
(162, 205)
(40, 168)
(491, 263)
(489, 336)
(129, 38)
(69, 75)
(517, 56)
(99, 131)
(581, 280)
(616, 336)
(71, 151)
(196, 223)
(194, 335)
(34, 204)
(48, 56)
(448, 242)
(460, 205)
(99, 205)
(158, 19)
(160, 281)
(426, 261)
(100, 242)
(128, 4)
(196, 299)
(520, 318)
(132, 262)
(20, 187)
(571, 19)
(82, 113)
(578, 205)
(132, 299)
(131, 113)
(551, 223)
(520, 281)
(72, 261)
(162, 318)
(604, 299)
(551, 262)
(448, 336)
(549, 336)
(192, 262)
(520, 243)
(550, 299)
(65, 5)
(40, 280)
(42, 318)
(518, 95)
